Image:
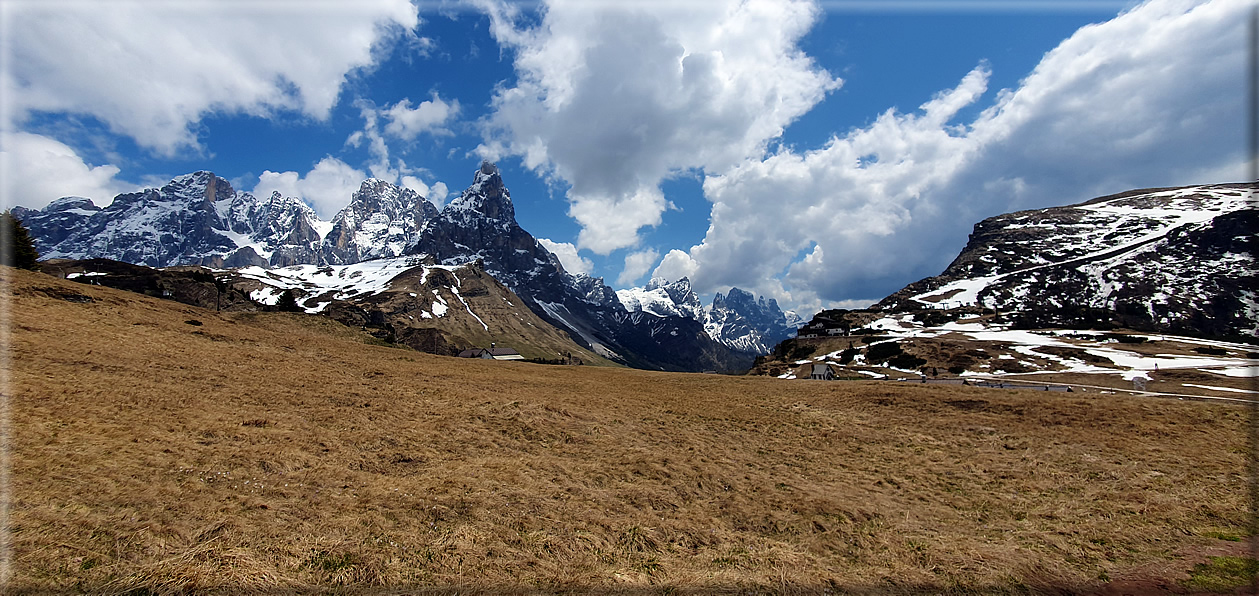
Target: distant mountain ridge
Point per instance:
(737, 320)
(199, 219)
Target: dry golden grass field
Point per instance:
(158, 448)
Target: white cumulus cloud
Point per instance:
(36, 170)
(327, 187)
(152, 70)
(429, 116)
(567, 254)
(637, 264)
(1149, 98)
(612, 98)
(436, 194)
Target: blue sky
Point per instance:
(783, 146)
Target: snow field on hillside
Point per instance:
(345, 282)
(1128, 364)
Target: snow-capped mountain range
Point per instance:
(1172, 259)
(737, 319)
(199, 219)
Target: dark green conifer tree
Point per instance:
(287, 302)
(17, 248)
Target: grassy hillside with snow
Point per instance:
(951, 347)
(160, 447)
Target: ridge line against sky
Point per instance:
(820, 153)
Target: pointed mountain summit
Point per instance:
(487, 197)
(746, 323)
(480, 224)
(381, 220)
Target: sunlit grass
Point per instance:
(280, 452)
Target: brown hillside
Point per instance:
(161, 447)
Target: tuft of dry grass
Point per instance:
(273, 452)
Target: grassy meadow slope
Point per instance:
(161, 447)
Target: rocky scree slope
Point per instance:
(1178, 260)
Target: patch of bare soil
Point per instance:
(1166, 578)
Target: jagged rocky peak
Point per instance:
(487, 195)
(661, 297)
(381, 220)
(748, 305)
(200, 185)
(594, 291)
(397, 203)
(481, 224)
(744, 322)
(69, 203)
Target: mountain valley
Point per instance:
(1171, 261)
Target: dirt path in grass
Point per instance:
(1168, 577)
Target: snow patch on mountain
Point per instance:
(320, 284)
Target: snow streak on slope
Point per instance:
(1126, 363)
(1102, 234)
(341, 282)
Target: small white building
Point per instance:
(492, 354)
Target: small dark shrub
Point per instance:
(847, 355)
(935, 318)
(882, 352)
(1211, 351)
(906, 361)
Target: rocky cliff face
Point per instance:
(381, 220)
(196, 219)
(1178, 260)
(662, 298)
(279, 231)
(746, 323)
(480, 225)
(177, 223)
